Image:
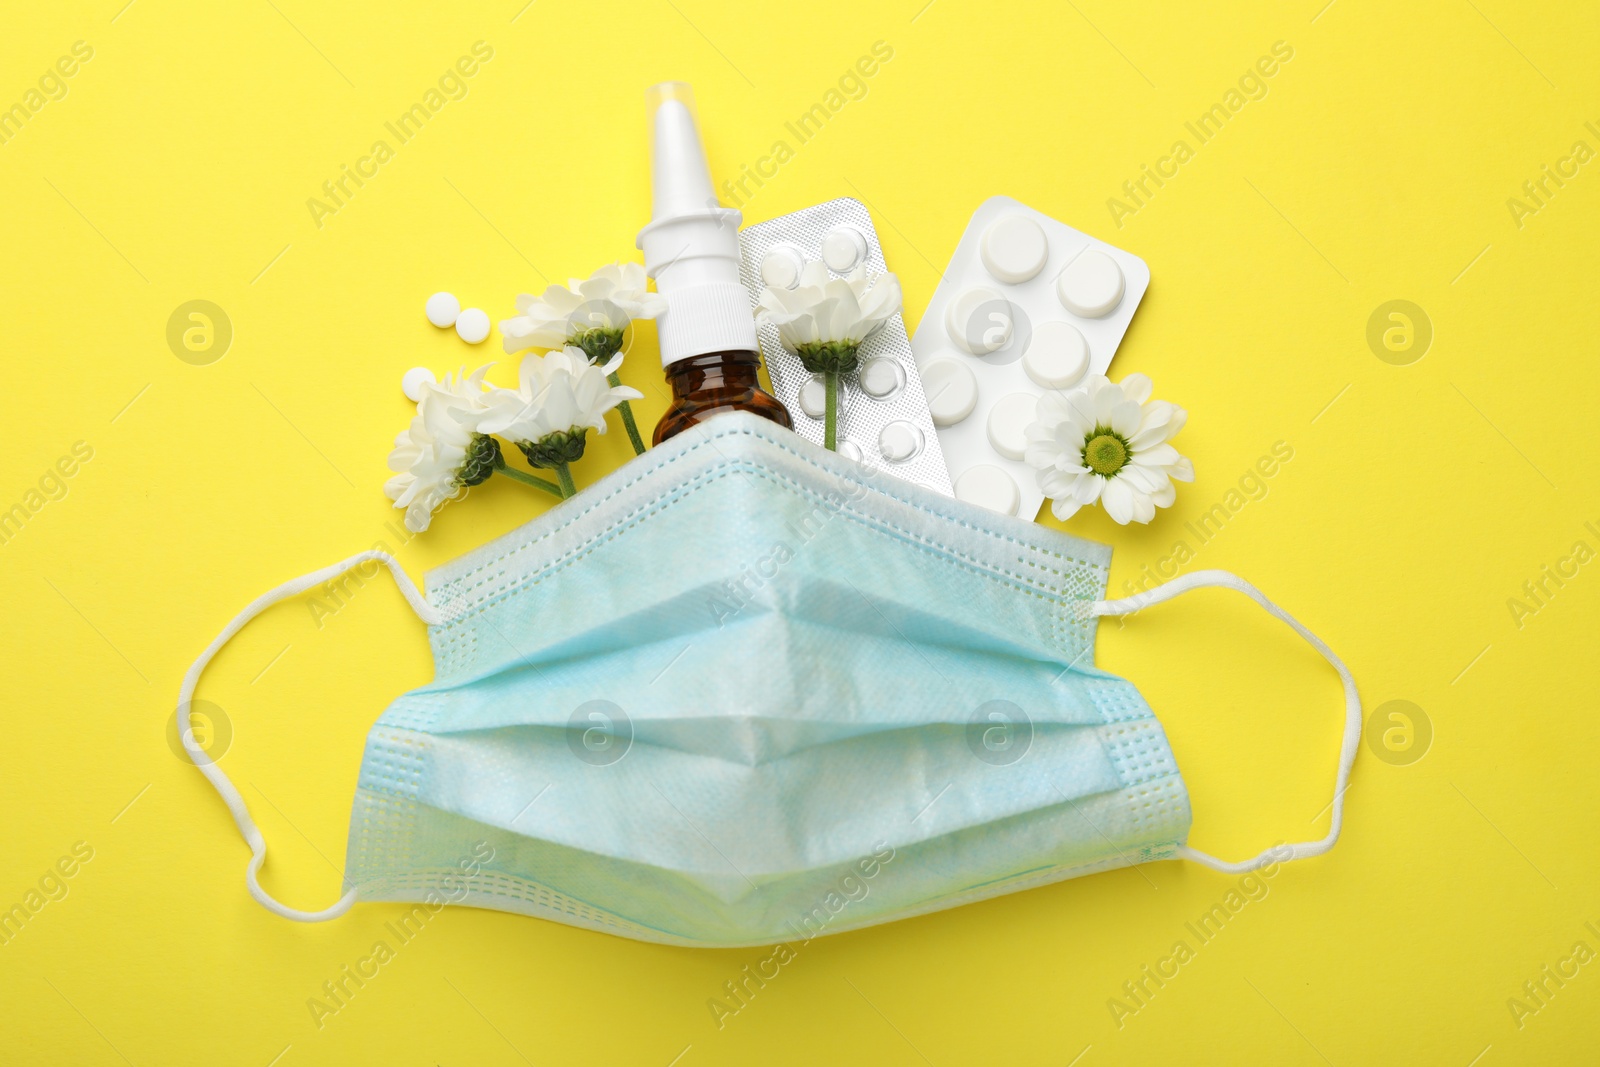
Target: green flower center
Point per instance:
(1105, 452)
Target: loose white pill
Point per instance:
(781, 266)
(413, 380)
(979, 320)
(1091, 285)
(472, 325)
(952, 390)
(899, 441)
(442, 310)
(1014, 249)
(814, 397)
(989, 487)
(1057, 355)
(881, 377)
(1008, 423)
(843, 248)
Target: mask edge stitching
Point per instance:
(709, 440)
(994, 572)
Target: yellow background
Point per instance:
(1419, 500)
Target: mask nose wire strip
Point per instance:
(219, 779)
(1352, 709)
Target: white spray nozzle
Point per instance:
(680, 178)
(691, 246)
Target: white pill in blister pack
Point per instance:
(952, 390)
(900, 440)
(880, 377)
(1008, 423)
(990, 487)
(885, 418)
(979, 320)
(814, 397)
(843, 247)
(1091, 285)
(780, 267)
(1057, 355)
(1028, 304)
(1014, 249)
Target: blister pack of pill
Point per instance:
(1027, 304)
(884, 419)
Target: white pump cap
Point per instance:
(691, 246)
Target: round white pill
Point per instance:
(413, 380)
(1014, 249)
(472, 325)
(989, 487)
(1057, 355)
(1091, 285)
(899, 441)
(814, 397)
(781, 266)
(979, 320)
(952, 390)
(1008, 423)
(881, 377)
(850, 451)
(843, 247)
(442, 310)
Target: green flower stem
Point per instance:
(564, 472)
(829, 359)
(830, 421)
(528, 479)
(626, 410)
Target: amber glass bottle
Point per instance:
(691, 248)
(707, 385)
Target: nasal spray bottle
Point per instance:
(691, 249)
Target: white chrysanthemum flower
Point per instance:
(1108, 442)
(824, 321)
(558, 393)
(443, 450)
(607, 300)
(822, 310)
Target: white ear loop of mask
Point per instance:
(219, 779)
(1352, 711)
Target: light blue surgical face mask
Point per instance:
(745, 691)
